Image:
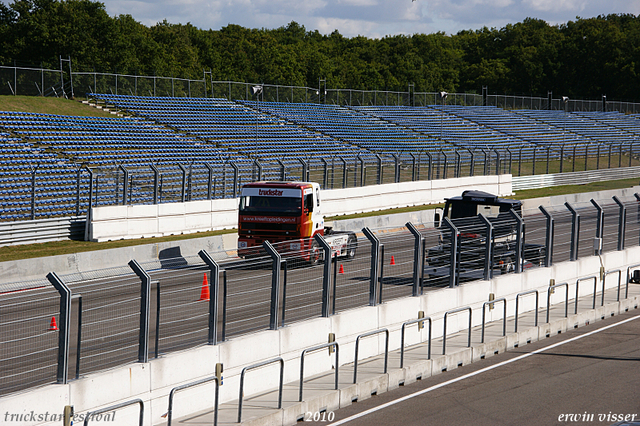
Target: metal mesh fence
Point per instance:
(246, 295)
(179, 303)
(304, 281)
(28, 346)
(353, 278)
(534, 238)
(632, 222)
(110, 317)
(396, 272)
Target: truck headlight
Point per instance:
(242, 244)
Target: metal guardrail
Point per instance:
(386, 351)
(192, 384)
(138, 401)
(258, 365)
(42, 230)
(521, 183)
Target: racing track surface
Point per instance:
(111, 299)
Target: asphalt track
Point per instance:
(111, 300)
(586, 376)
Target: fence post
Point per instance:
(622, 219)
(430, 164)
(413, 167)
(214, 293)
(397, 168)
(326, 276)
(344, 172)
(125, 184)
(453, 262)
(417, 258)
(276, 288)
(325, 174)
(548, 255)
(304, 172)
(33, 191)
(520, 232)
(375, 254)
(183, 193)
(234, 166)
(282, 170)
(379, 174)
(575, 232)
(359, 158)
(599, 226)
(145, 292)
(64, 325)
(156, 181)
(210, 193)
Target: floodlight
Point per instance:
(256, 90)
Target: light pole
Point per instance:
(565, 101)
(443, 96)
(257, 91)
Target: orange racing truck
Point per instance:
(289, 213)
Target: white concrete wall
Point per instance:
(144, 221)
(153, 381)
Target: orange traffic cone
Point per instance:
(204, 293)
(341, 270)
(53, 326)
(393, 261)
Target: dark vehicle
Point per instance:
(465, 213)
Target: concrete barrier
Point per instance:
(144, 221)
(153, 381)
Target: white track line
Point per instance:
(475, 373)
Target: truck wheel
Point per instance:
(315, 253)
(352, 245)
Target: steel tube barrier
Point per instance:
(189, 385)
(595, 283)
(622, 219)
(504, 315)
(417, 266)
(381, 274)
(327, 295)
(157, 334)
(453, 271)
(138, 401)
(519, 242)
(79, 340)
(637, 265)
(599, 227)
(548, 258)
(386, 351)
(214, 293)
(517, 305)
(575, 232)
(258, 365)
(566, 298)
(375, 253)
(276, 290)
(404, 326)
(285, 272)
(444, 334)
(225, 293)
(604, 279)
(330, 345)
(488, 251)
(62, 374)
(145, 292)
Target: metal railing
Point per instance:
(178, 302)
(386, 351)
(253, 367)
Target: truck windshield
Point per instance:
(289, 206)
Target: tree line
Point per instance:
(585, 58)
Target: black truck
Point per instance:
(469, 214)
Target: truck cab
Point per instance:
(288, 213)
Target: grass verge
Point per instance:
(29, 251)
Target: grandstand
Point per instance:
(164, 149)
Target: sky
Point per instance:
(370, 18)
